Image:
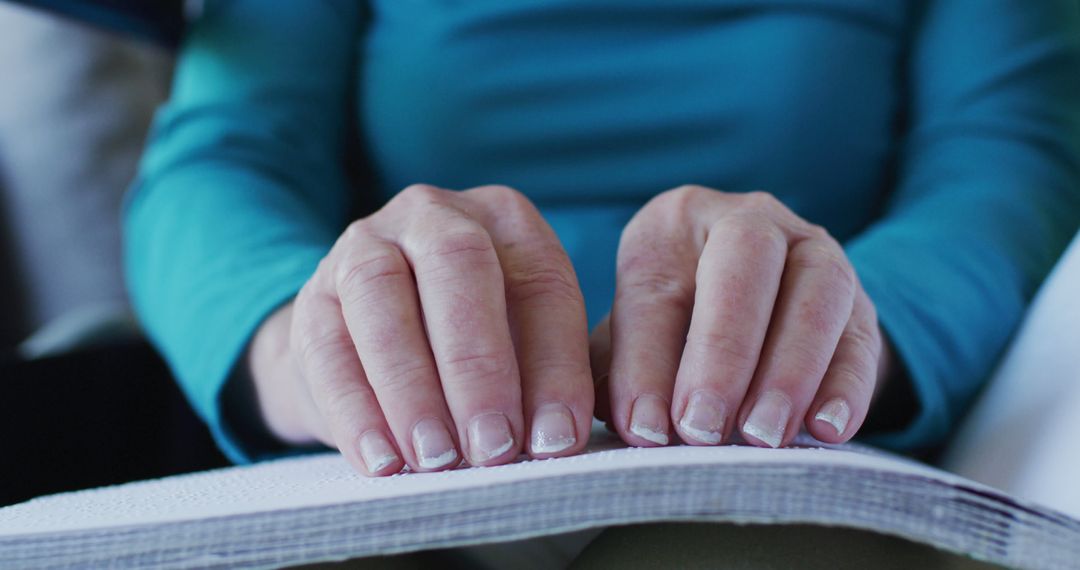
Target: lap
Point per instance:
(759, 547)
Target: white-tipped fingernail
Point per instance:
(489, 437)
(769, 418)
(649, 419)
(703, 420)
(433, 444)
(376, 451)
(836, 413)
(552, 429)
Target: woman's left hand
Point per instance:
(731, 312)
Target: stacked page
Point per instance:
(315, 508)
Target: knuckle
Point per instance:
(691, 192)
(865, 345)
(461, 242)
(753, 234)
(852, 379)
(544, 266)
(866, 307)
(808, 356)
(562, 366)
(659, 358)
(734, 351)
(421, 192)
(856, 374)
(322, 351)
(340, 399)
(821, 316)
(646, 244)
(302, 305)
(639, 231)
(471, 366)
(307, 307)
(818, 232)
(325, 267)
(681, 199)
(764, 202)
(854, 364)
(828, 259)
(402, 377)
(842, 272)
(663, 218)
(658, 287)
(542, 281)
(323, 277)
(357, 230)
(499, 196)
(415, 196)
(357, 276)
(513, 208)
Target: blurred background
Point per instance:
(84, 400)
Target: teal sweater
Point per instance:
(938, 140)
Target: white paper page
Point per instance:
(327, 479)
(1023, 435)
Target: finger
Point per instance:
(737, 282)
(600, 361)
(814, 303)
(464, 305)
(380, 306)
(547, 320)
(654, 294)
(338, 385)
(842, 401)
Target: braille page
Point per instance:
(315, 508)
(326, 479)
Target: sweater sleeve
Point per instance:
(242, 189)
(987, 198)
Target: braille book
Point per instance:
(315, 508)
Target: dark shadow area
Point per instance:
(99, 417)
(761, 547)
(160, 21)
(13, 321)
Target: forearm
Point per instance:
(241, 191)
(986, 198)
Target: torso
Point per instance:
(616, 100)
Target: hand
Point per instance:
(730, 313)
(447, 324)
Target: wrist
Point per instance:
(276, 397)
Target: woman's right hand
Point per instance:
(445, 325)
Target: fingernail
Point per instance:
(769, 418)
(376, 451)
(433, 444)
(552, 429)
(704, 417)
(649, 419)
(489, 437)
(836, 413)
